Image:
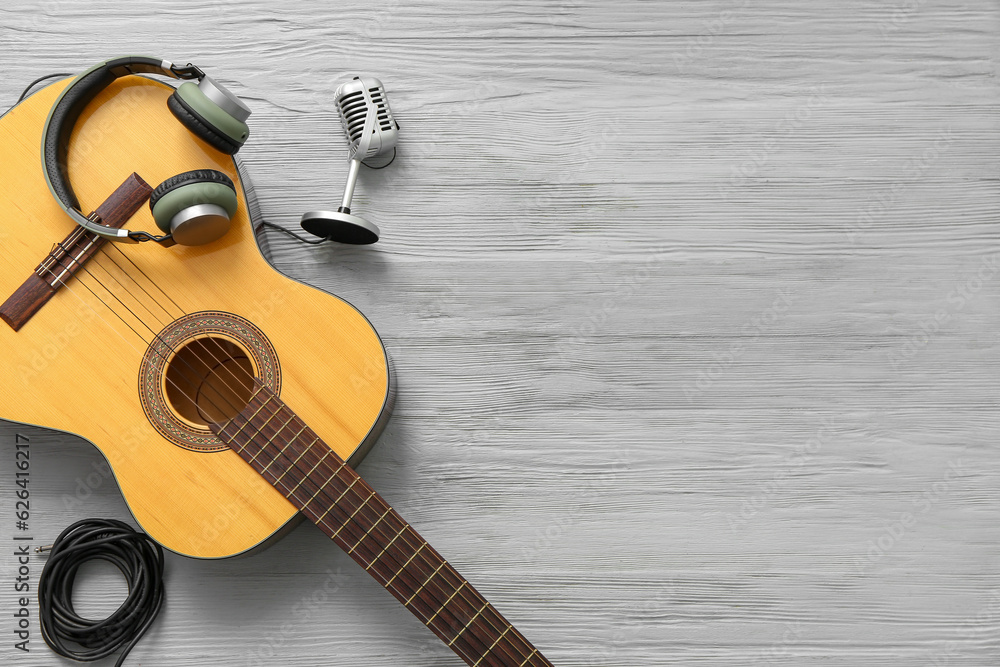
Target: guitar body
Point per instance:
(103, 359)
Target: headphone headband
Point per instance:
(70, 105)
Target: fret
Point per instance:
(319, 519)
(259, 431)
(291, 466)
(446, 602)
(530, 655)
(321, 459)
(230, 439)
(291, 491)
(351, 518)
(305, 477)
(468, 624)
(423, 585)
(256, 391)
(322, 487)
(291, 440)
(368, 532)
(386, 547)
(406, 564)
(494, 644)
(251, 418)
(270, 440)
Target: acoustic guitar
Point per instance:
(229, 400)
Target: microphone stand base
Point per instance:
(340, 227)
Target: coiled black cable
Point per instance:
(140, 560)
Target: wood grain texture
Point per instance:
(692, 306)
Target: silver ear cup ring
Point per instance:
(200, 224)
(224, 99)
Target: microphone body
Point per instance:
(367, 120)
(371, 134)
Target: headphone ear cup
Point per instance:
(207, 120)
(196, 206)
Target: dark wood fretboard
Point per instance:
(289, 455)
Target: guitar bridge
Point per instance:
(68, 256)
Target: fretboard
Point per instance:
(289, 455)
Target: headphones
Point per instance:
(193, 208)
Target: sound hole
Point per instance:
(209, 380)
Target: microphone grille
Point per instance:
(384, 114)
(353, 109)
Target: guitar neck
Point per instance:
(288, 454)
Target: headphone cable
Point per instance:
(32, 85)
(38, 81)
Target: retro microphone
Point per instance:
(371, 138)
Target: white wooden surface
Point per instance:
(694, 307)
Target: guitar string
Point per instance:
(70, 241)
(151, 281)
(472, 603)
(148, 344)
(229, 387)
(404, 538)
(66, 247)
(220, 363)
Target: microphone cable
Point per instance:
(265, 223)
(140, 561)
